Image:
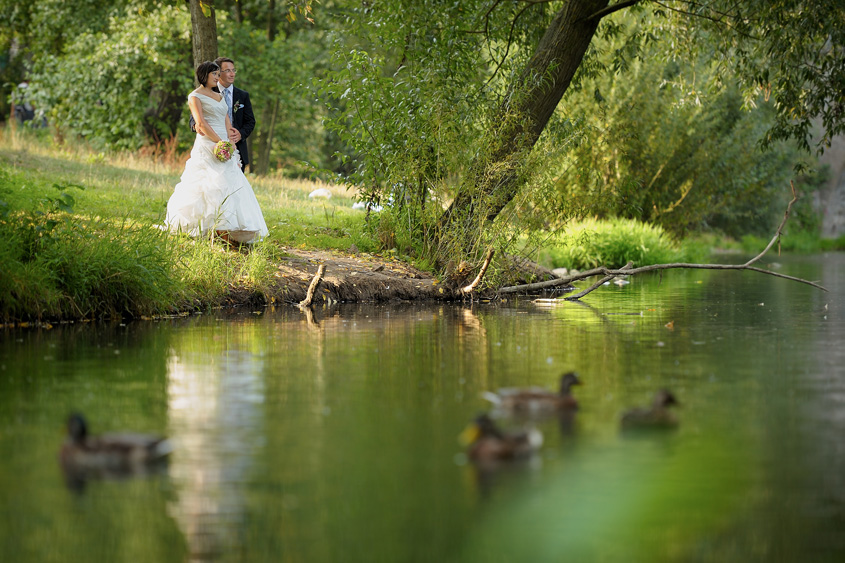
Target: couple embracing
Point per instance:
(213, 194)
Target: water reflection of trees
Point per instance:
(216, 397)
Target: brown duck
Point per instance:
(487, 442)
(536, 401)
(657, 416)
(109, 455)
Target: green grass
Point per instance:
(80, 239)
(613, 243)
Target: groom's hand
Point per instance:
(234, 135)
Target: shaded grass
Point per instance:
(80, 239)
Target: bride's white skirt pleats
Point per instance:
(214, 196)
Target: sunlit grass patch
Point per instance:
(612, 243)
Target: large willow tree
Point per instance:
(448, 102)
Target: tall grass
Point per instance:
(612, 243)
(80, 241)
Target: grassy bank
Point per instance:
(80, 239)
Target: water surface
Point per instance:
(333, 436)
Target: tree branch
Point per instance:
(723, 19)
(614, 8)
(477, 280)
(309, 295)
(598, 284)
(626, 270)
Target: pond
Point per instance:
(334, 436)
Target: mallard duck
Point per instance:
(657, 416)
(487, 442)
(109, 454)
(536, 401)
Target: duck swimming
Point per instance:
(657, 416)
(536, 401)
(487, 442)
(109, 455)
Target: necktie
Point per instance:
(228, 98)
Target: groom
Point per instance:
(240, 108)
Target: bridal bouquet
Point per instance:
(224, 150)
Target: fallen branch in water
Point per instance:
(309, 295)
(477, 280)
(626, 270)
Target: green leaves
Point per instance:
(122, 86)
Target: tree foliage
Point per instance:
(513, 61)
(120, 86)
(650, 151)
(790, 51)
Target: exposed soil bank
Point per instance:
(350, 278)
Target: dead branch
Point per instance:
(599, 283)
(610, 273)
(477, 280)
(309, 295)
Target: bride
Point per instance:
(214, 195)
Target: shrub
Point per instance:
(591, 243)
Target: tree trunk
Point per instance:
(494, 178)
(203, 31)
(271, 21)
(268, 115)
(239, 13)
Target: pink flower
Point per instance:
(223, 151)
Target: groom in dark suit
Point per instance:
(240, 108)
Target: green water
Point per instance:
(334, 438)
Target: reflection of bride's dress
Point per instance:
(216, 404)
(214, 195)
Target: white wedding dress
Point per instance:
(214, 195)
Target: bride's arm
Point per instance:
(230, 129)
(201, 124)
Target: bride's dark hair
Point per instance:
(204, 69)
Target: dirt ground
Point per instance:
(365, 278)
(352, 278)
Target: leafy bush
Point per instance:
(592, 243)
(119, 86)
